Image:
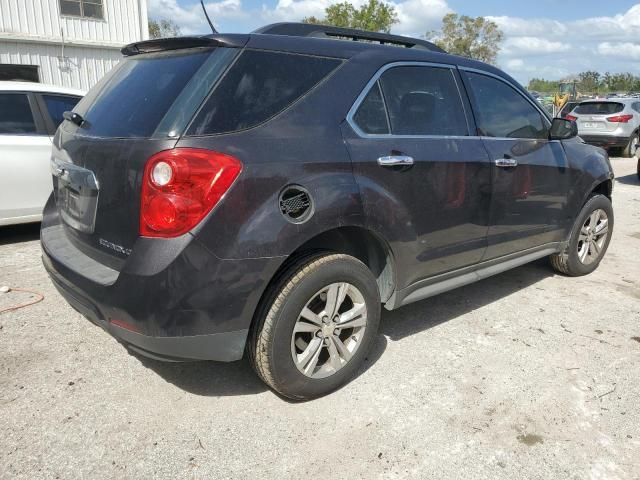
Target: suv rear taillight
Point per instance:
(180, 186)
(570, 117)
(619, 118)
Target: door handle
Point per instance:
(506, 162)
(395, 161)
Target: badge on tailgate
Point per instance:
(76, 193)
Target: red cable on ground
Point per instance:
(22, 305)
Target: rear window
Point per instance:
(259, 85)
(599, 108)
(137, 95)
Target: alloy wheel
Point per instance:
(593, 236)
(329, 330)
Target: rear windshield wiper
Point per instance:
(74, 118)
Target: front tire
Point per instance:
(316, 327)
(589, 240)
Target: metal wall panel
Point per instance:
(32, 32)
(84, 67)
(125, 21)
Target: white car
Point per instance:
(29, 116)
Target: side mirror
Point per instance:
(562, 129)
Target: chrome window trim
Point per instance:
(374, 80)
(384, 105)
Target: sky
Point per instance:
(543, 38)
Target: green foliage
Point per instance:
(592, 82)
(374, 16)
(542, 85)
(589, 81)
(476, 38)
(620, 82)
(163, 28)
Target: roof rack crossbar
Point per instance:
(328, 31)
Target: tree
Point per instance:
(593, 82)
(163, 28)
(374, 16)
(589, 81)
(607, 80)
(543, 86)
(476, 38)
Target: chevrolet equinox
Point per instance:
(268, 193)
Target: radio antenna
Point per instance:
(207, 15)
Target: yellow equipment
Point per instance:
(566, 91)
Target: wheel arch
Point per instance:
(603, 187)
(359, 242)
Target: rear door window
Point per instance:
(423, 101)
(16, 117)
(135, 97)
(503, 112)
(419, 101)
(599, 108)
(258, 86)
(58, 104)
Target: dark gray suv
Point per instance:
(268, 193)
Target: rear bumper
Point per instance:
(607, 141)
(225, 347)
(173, 302)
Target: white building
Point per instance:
(70, 43)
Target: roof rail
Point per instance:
(327, 31)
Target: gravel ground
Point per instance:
(524, 375)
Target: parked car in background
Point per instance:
(568, 107)
(269, 192)
(29, 116)
(609, 123)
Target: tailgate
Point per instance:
(592, 117)
(140, 108)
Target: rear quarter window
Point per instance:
(57, 105)
(258, 86)
(371, 116)
(599, 108)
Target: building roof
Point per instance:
(37, 87)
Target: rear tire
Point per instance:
(631, 149)
(589, 240)
(316, 327)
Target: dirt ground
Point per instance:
(525, 375)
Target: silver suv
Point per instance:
(609, 123)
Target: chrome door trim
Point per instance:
(395, 161)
